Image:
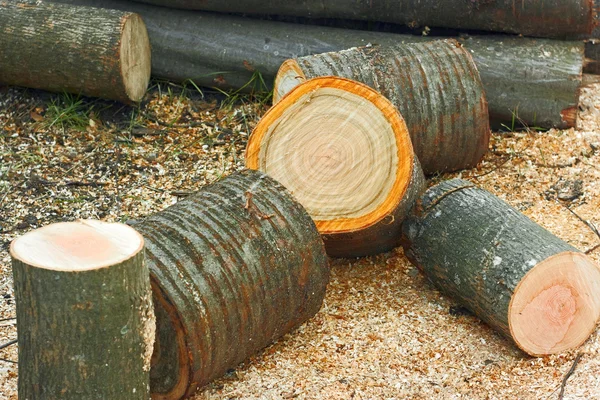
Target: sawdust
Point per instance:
(383, 332)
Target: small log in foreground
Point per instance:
(539, 80)
(233, 268)
(549, 18)
(434, 85)
(83, 50)
(84, 312)
(344, 152)
(508, 270)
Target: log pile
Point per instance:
(336, 167)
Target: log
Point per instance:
(550, 18)
(539, 79)
(84, 312)
(519, 278)
(344, 152)
(233, 268)
(434, 85)
(83, 50)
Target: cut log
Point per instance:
(344, 152)
(434, 85)
(512, 273)
(550, 18)
(84, 312)
(538, 79)
(83, 50)
(233, 268)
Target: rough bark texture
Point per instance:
(233, 268)
(475, 247)
(84, 335)
(592, 55)
(74, 49)
(539, 78)
(434, 85)
(382, 236)
(545, 18)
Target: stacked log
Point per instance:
(345, 153)
(434, 85)
(233, 268)
(519, 278)
(554, 18)
(84, 312)
(537, 79)
(82, 50)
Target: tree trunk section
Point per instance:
(537, 79)
(233, 268)
(512, 273)
(549, 18)
(434, 85)
(344, 152)
(84, 312)
(83, 50)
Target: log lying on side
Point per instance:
(550, 18)
(233, 268)
(434, 85)
(84, 312)
(90, 51)
(540, 79)
(511, 272)
(344, 152)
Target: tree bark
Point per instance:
(345, 153)
(84, 312)
(512, 273)
(550, 18)
(233, 268)
(537, 79)
(89, 51)
(434, 85)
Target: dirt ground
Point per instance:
(383, 332)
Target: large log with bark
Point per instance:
(84, 312)
(434, 85)
(84, 50)
(345, 153)
(233, 268)
(512, 273)
(538, 79)
(549, 18)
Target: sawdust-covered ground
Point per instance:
(383, 332)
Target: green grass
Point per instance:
(253, 91)
(68, 111)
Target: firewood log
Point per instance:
(84, 312)
(434, 85)
(83, 50)
(519, 278)
(344, 152)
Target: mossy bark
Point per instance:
(64, 48)
(84, 334)
(233, 268)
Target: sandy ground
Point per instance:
(383, 332)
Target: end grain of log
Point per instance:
(84, 312)
(233, 268)
(344, 151)
(519, 278)
(83, 50)
(434, 85)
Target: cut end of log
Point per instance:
(135, 57)
(77, 246)
(556, 305)
(340, 147)
(288, 77)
